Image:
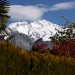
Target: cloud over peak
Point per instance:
(19, 12)
(35, 12)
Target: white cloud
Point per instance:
(35, 12)
(19, 12)
(63, 6)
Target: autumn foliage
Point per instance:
(40, 60)
(38, 47)
(64, 41)
(64, 49)
(14, 61)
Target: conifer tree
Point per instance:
(4, 7)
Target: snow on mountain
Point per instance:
(37, 29)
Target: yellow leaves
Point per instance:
(23, 62)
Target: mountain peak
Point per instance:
(37, 29)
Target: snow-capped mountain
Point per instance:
(35, 30)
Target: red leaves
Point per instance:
(38, 47)
(65, 49)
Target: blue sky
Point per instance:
(51, 10)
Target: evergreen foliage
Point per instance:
(4, 7)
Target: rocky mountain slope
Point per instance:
(35, 30)
(26, 34)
